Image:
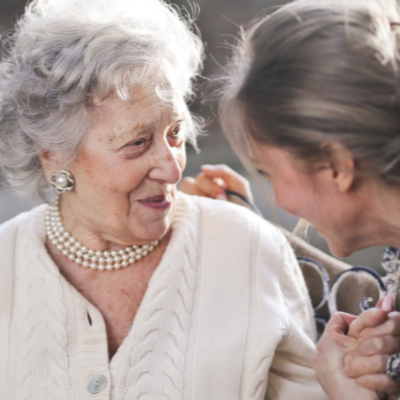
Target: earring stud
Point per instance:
(62, 181)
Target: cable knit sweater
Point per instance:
(226, 316)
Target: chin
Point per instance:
(340, 250)
(152, 230)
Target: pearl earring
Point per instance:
(62, 181)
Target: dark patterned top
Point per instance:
(391, 264)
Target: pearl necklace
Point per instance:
(95, 260)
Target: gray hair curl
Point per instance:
(317, 72)
(64, 52)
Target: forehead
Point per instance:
(145, 108)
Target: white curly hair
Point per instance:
(62, 53)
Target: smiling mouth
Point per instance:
(157, 202)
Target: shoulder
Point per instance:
(239, 231)
(10, 229)
(233, 216)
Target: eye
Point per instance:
(176, 136)
(137, 143)
(137, 147)
(264, 174)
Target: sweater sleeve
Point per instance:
(283, 301)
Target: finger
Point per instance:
(390, 327)
(340, 322)
(233, 180)
(337, 328)
(213, 187)
(386, 304)
(380, 382)
(384, 344)
(369, 318)
(188, 185)
(359, 366)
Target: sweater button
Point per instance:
(97, 384)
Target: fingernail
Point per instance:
(387, 303)
(208, 166)
(221, 196)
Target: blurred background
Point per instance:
(218, 22)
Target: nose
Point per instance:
(167, 165)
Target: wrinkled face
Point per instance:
(131, 160)
(310, 195)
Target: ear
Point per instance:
(342, 165)
(49, 164)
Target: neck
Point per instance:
(380, 211)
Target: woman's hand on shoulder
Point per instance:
(214, 180)
(378, 334)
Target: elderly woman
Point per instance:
(313, 97)
(122, 287)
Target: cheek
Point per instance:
(180, 156)
(105, 172)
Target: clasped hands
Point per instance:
(352, 354)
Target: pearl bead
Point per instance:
(71, 248)
(61, 181)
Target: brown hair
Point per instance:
(317, 72)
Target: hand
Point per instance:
(378, 333)
(329, 361)
(214, 180)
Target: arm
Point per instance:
(284, 311)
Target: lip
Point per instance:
(160, 202)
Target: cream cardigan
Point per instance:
(218, 321)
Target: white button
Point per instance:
(97, 384)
